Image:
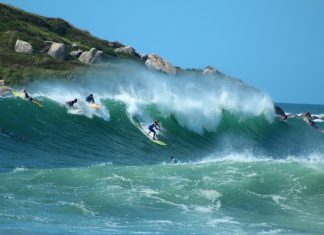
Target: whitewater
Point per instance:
(239, 169)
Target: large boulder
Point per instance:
(91, 56)
(76, 53)
(23, 47)
(46, 46)
(129, 51)
(98, 57)
(144, 57)
(75, 46)
(209, 70)
(156, 62)
(57, 50)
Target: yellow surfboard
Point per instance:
(21, 95)
(143, 129)
(158, 142)
(17, 94)
(94, 106)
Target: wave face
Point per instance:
(239, 169)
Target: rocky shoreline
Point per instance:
(68, 53)
(57, 50)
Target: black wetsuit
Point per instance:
(90, 99)
(71, 103)
(280, 112)
(28, 97)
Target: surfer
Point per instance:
(173, 160)
(90, 99)
(281, 113)
(309, 119)
(151, 127)
(71, 103)
(27, 96)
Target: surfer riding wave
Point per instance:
(151, 127)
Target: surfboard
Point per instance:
(94, 106)
(21, 95)
(158, 142)
(36, 102)
(73, 110)
(17, 94)
(143, 128)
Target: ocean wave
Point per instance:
(197, 102)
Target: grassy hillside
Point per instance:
(17, 24)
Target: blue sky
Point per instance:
(276, 46)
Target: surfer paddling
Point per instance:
(151, 127)
(31, 99)
(27, 96)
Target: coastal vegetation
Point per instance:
(38, 31)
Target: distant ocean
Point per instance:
(85, 171)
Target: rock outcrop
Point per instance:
(23, 47)
(91, 56)
(129, 51)
(98, 57)
(209, 70)
(47, 46)
(76, 53)
(75, 46)
(156, 62)
(57, 50)
(144, 57)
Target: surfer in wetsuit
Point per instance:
(151, 127)
(71, 103)
(90, 99)
(173, 160)
(281, 113)
(309, 119)
(27, 96)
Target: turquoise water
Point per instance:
(239, 170)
